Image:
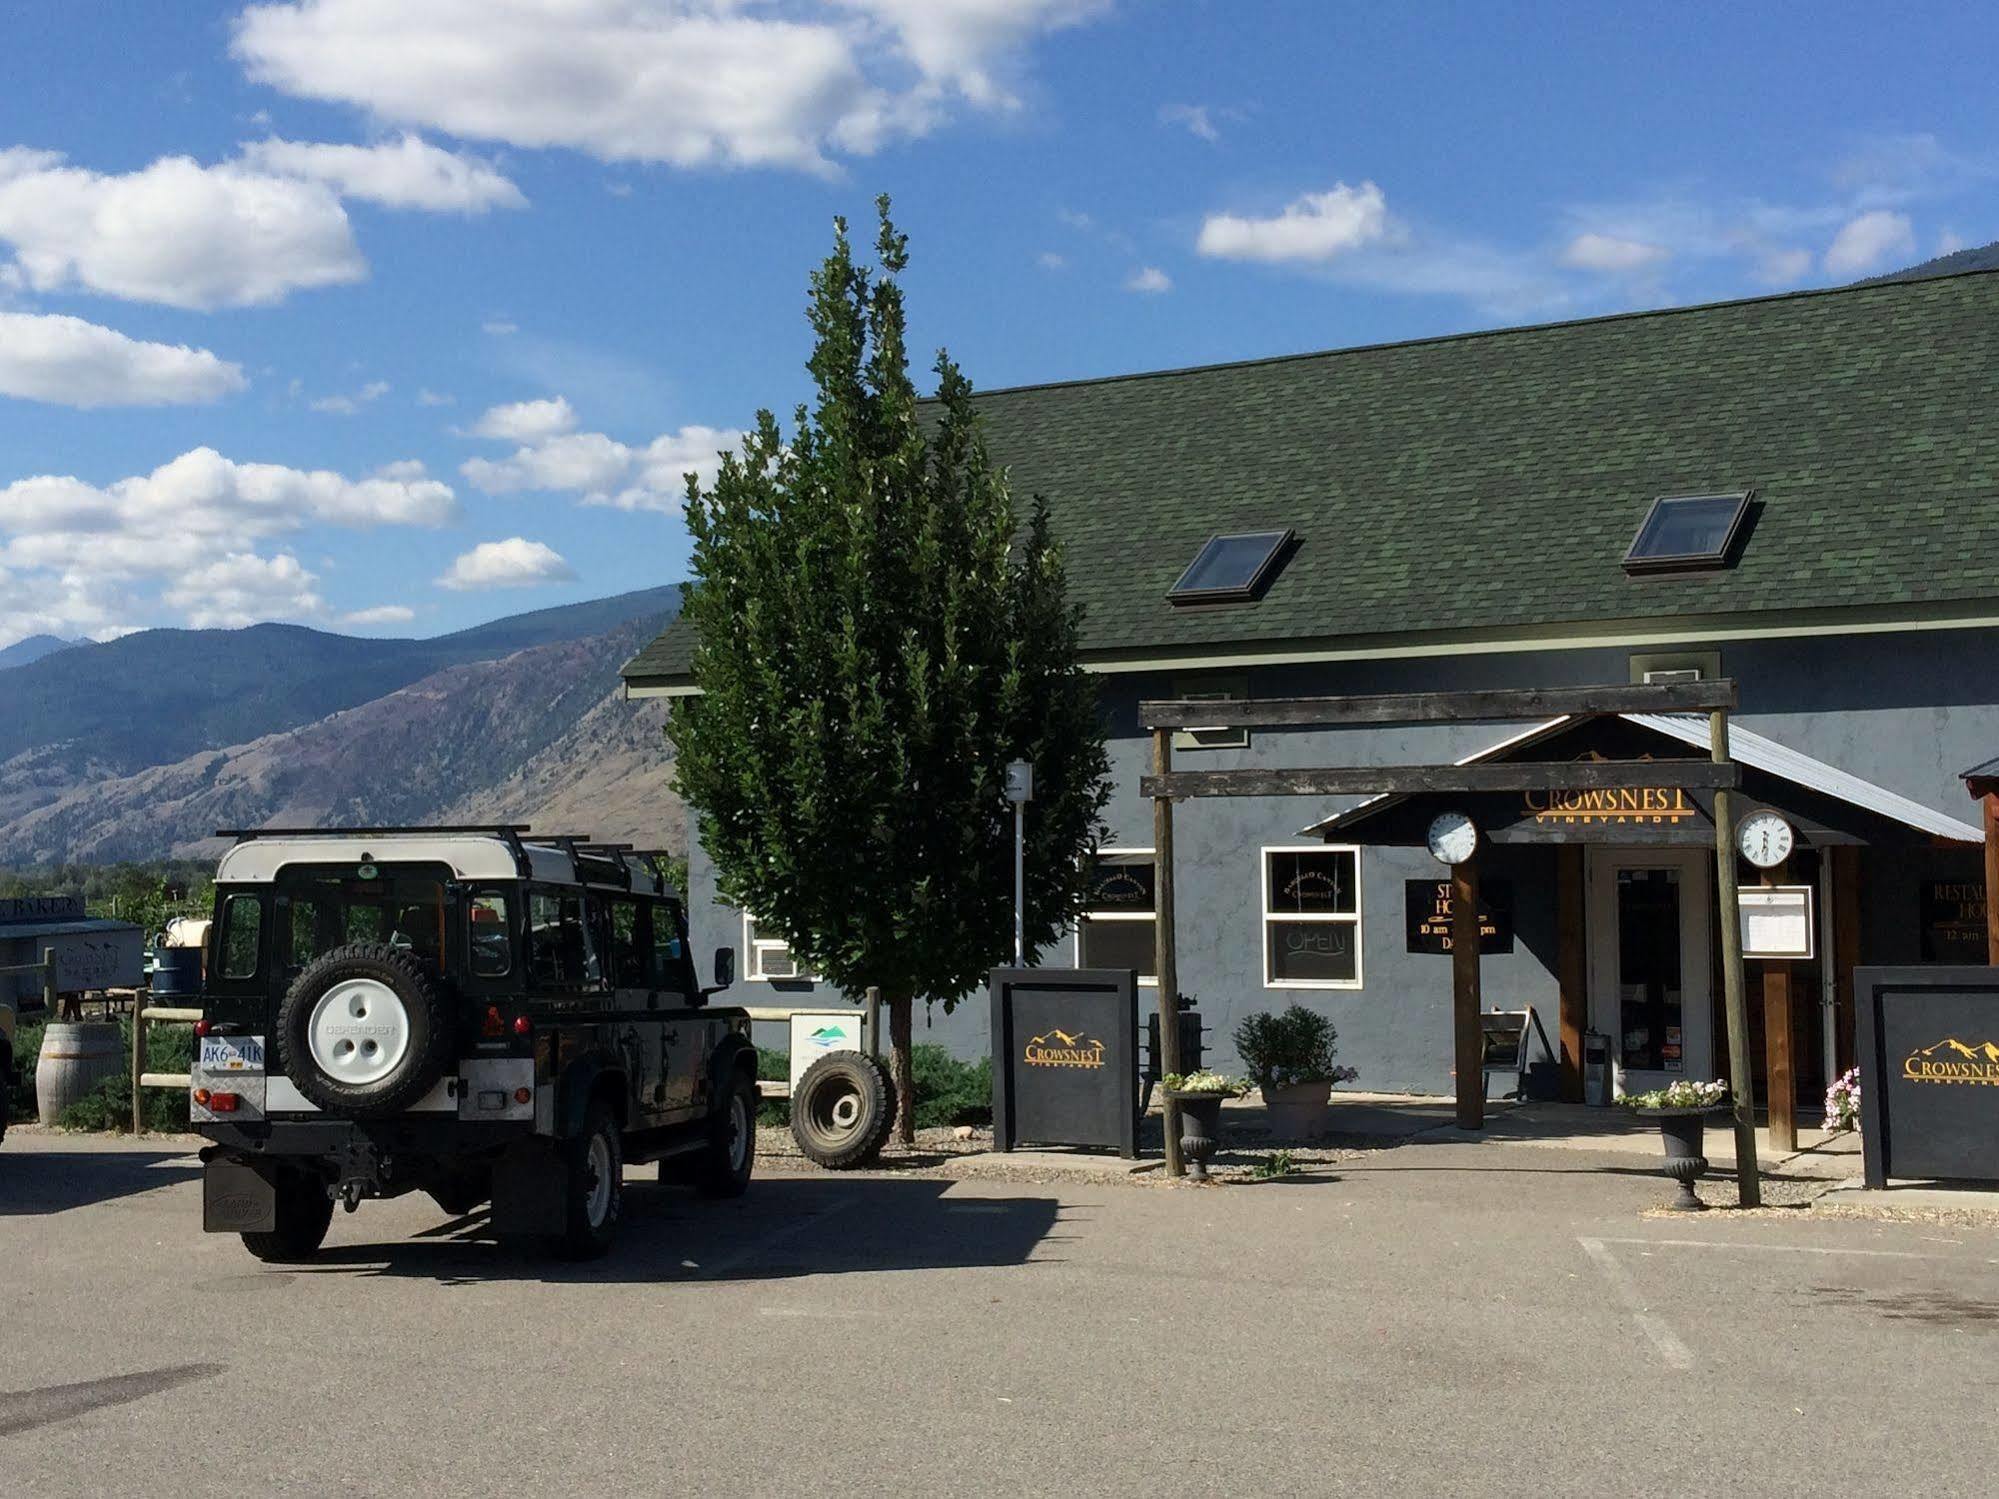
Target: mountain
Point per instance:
(157, 696)
(21, 652)
(1977, 258)
(541, 735)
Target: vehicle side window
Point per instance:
(562, 951)
(492, 937)
(628, 966)
(668, 968)
(242, 929)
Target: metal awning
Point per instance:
(1752, 751)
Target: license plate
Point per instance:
(232, 1054)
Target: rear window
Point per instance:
(329, 906)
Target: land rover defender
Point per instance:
(467, 1012)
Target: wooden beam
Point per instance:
(1990, 803)
(1780, 1076)
(1465, 994)
(1406, 780)
(1491, 706)
(1845, 952)
(1748, 1177)
(1166, 962)
(1571, 967)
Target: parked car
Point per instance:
(470, 1013)
(8, 1077)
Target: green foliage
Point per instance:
(1205, 1082)
(27, 1047)
(878, 636)
(1297, 1046)
(773, 1067)
(1277, 1164)
(948, 1091)
(145, 894)
(169, 1048)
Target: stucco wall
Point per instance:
(1907, 711)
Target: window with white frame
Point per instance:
(1209, 688)
(1311, 917)
(1119, 925)
(770, 957)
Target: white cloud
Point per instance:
(600, 470)
(1194, 116)
(429, 397)
(174, 232)
(513, 563)
(1782, 267)
(1949, 242)
(70, 362)
(500, 327)
(241, 588)
(405, 173)
(1869, 242)
(1048, 260)
(689, 82)
(381, 614)
(527, 421)
(1313, 229)
(1607, 252)
(348, 405)
(1148, 278)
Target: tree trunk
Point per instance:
(900, 1071)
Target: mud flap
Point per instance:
(237, 1198)
(528, 1191)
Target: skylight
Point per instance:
(1687, 532)
(1230, 569)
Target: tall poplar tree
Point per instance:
(878, 635)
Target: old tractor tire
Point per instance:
(842, 1110)
(364, 1032)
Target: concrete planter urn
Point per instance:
(1298, 1111)
(1200, 1128)
(1682, 1130)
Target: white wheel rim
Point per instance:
(359, 1032)
(597, 1174)
(739, 1133)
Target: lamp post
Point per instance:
(1019, 791)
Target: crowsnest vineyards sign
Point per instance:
(1059, 1048)
(1624, 804)
(1954, 1061)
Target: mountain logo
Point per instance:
(1953, 1061)
(827, 1035)
(1060, 1048)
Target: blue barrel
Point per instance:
(176, 972)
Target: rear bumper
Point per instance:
(441, 1138)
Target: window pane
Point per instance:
(1315, 881)
(562, 952)
(492, 941)
(1691, 527)
(628, 969)
(669, 972)
(1229, 564)
(1121, 882)
(1323, 952)
(1119, 944)
(242, 925)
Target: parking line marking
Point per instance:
(1671, 1349)
(1879, 1254)
(770, 1240)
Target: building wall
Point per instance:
(1906, 711)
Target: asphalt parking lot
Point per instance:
(1432, 1319)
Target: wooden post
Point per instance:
(1990, 801)
(139, 1064)
(1730, 909)
(1464, 994)
(1571, 966)
(1780, 1077)
(1845, 954)
(1165, 962)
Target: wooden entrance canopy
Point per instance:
(1982, 781)
(1715, 778)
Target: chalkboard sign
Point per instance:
(1065, 1057)
(1929, 1073)
(1952, 913)
(1427, 914)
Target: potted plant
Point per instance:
(1842, 1103)
(1681, 1109)
(1200, 1096)
(1290, 1058)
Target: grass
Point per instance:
(1278, 1163)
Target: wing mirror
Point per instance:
(725, 967)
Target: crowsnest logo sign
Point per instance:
(1954, 1061)
(1626, 804)
(1058, 1048)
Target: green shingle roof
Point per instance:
(1491, 482)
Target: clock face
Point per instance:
(1765, 839)
(1453, 836)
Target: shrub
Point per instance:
(1297, 1046)
(170, 1048)
(27, 1047)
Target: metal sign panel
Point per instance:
(1426, 910)
(1929, 1061)
(1065, 1057)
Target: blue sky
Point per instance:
(391, 316)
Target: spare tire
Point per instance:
(364, 1032)
(842, 1110)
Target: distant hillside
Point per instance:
(21, 652)
(158, 696)
(542, 735)
(1977, 258)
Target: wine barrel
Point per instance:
(76, 1057)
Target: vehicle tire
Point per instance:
(842, 1110)
(363, 1032)
(731, 1152)
(304, 1211)
(462, 1195)
(6, 1085)
(593, 1187)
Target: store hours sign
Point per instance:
(1427, 908)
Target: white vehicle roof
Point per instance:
(471, 854)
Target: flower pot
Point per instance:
(1297, 1111)
(1200, 1129)
(1682, 1131)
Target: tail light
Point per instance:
(201, 1096)
(494, 1026)
(201, 1026)
(523, 1026)
(223, 1103)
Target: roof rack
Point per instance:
(498, 830)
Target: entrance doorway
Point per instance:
(1650, 969)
